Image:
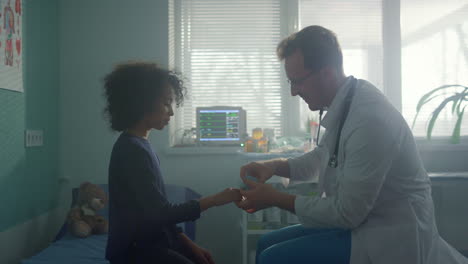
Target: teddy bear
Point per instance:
(83, 219)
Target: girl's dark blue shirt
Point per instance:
(140, 216)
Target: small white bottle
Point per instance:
(273, 217)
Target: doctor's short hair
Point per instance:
(132, 90)
(319, 46)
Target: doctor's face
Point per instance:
(304, 82)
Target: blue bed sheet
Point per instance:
(91, 250)
(72, 250)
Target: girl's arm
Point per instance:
(227, 196)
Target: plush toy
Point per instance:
(82, 218)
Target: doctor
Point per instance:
(375, 204)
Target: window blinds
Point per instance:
(227, 51)
(358, 26)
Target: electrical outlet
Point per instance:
(33, 138)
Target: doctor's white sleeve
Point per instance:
(305, 167)
(369, 151)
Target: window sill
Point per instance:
(204, 150)
(435, 145)
(440, 144)
(460, 175)
(271, 155)
(226, 150)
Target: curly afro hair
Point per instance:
(132, 89)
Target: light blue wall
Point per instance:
(29, 177)
(86, 38)
(94, 35)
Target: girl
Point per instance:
(142, 223)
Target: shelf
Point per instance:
(204, 150)
(253, 156)
(259, 231)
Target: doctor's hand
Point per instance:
(257, 170)
(259, 196)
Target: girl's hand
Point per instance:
(196, 252)
(229, 195)
(202, 255)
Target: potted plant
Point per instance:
(457, 100)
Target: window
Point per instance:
(357, 25)
(227, 51)
(434, 53)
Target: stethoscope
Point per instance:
(333, 161)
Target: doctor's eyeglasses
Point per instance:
(299, 81)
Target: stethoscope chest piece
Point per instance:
(333, 162)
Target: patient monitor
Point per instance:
(220, 125)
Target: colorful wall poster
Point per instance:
(11, 55)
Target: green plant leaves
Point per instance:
(456, 130)
(427, 97)
(420, 105)
(457, 99)
(437, 111)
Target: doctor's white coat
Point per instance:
(380, 189)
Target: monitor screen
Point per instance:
(220, 124)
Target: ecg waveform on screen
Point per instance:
(219, 125)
